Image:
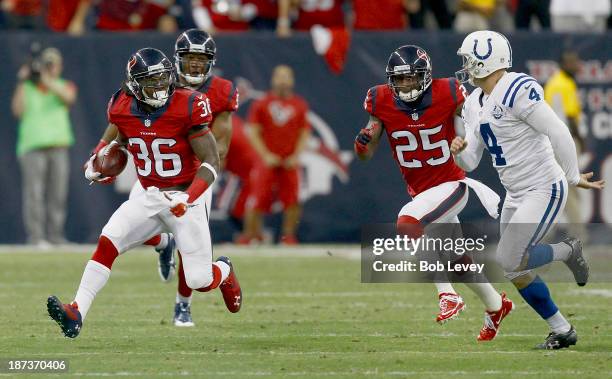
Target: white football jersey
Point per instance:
(523, 157)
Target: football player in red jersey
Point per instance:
(194, 57)
(417, 113)
(166, 129)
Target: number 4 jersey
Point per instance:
(420, 133)
(159, 141)
(523, 157)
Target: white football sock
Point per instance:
(225, 270)
(561, 251)
(163, 242)
(558, 324)
(94, 278)
(488, 295)
(182, 299)
(444, 287)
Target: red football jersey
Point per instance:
(281, 121)
(379, 15)
(222, 94)
(326, 13)
(159, 141)
(420, 137)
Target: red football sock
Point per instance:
(105, 253)
(153, 241)
(216, 280)
(183, 289)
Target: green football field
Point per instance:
(305, 315)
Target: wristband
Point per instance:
(196, 189)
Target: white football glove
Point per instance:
(93, 176)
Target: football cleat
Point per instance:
(494, 319)
(556, 341)
(230, 288)
(167, 264)
(289, 240)
(450, 306)
(182, 315)
(67, 316)
(576, 261)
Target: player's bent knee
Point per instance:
(106, 252)
(409, 226)
(199, 280)
(509, 262)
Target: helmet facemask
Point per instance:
(187, 62)
(409, 85)
(154, 88)
(469, 70)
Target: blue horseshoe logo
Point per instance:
(488, 54)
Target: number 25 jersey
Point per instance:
(420, 133)
(159, 141)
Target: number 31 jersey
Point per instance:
(159, 141)
(420, 133)
(523, 157)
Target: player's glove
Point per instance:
(178, 202)
(363, 139)
(93, 176)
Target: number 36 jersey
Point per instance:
(420, 133)
(159, 141)
(523, 157)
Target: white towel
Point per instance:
(489, 199)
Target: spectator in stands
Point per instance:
(578, 16)
(474, 15)
(279, 132)
(561, 92)
(527, 9)
(327, 13)
(439, 9)
(127, 15)
(214, 15)
(23, 14)
(67, 16)
(41, 102)
(386, 15)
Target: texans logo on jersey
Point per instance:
(280, 114)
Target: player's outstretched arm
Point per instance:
(467, 151)
(545, 120)
(222, 130)
(368, 139)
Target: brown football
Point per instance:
(111, 160)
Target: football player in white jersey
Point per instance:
(535, 156)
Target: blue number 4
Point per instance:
(491, 142)
(534, 95)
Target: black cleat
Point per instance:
(67, 316)
(576, 261)
(559, 341)
(167, 264)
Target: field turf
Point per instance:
(305, 315)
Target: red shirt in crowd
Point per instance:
(130, 14)
(24, 7)
(281, 121)
(379, 15)
(265, 8)
(60, 13)
(327, 13)
(219, 17)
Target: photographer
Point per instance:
(41, 103)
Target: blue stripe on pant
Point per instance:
(542, 254)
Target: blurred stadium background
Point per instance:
(339, 194)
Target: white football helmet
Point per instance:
(483, 52)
